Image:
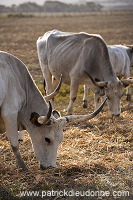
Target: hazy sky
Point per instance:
(40, 2)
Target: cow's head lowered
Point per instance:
(50, 133)
(113, 91)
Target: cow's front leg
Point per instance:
(97, 99)
(73, 94)
(128, 93)
(18, 158)
(85, 97)
(12, 134)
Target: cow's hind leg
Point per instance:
(12, 134)
(73, 94)
(85, 97)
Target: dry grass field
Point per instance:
(94, 156)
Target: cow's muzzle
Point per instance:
(117, 115)
(46, 167)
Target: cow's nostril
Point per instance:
(47, 140)
(42, 167)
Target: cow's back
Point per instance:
(119, 60)
(56, 40)
(14, 81)
(64, 53)
(12, 68)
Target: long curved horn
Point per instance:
(50, 96)
(127, 81)
(97, 83)
(80, 118)
(45, 119)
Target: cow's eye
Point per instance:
(47, 140)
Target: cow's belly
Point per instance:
(58, 70)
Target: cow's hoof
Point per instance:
(128, 97)
(24, 168)
(85, 104)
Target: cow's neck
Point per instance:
(108, 73)
(34, 101)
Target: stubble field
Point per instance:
(94, 156)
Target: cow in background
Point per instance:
(81, 58)
(121, 58)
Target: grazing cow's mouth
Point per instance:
(46, 167)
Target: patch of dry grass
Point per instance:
(94, 155)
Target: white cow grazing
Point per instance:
(121, 58)
(81, 58)
(21, 103)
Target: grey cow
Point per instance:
(121, 58)
(21, 103)
(81, 58)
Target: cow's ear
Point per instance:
(56, 114)
(34, 118)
